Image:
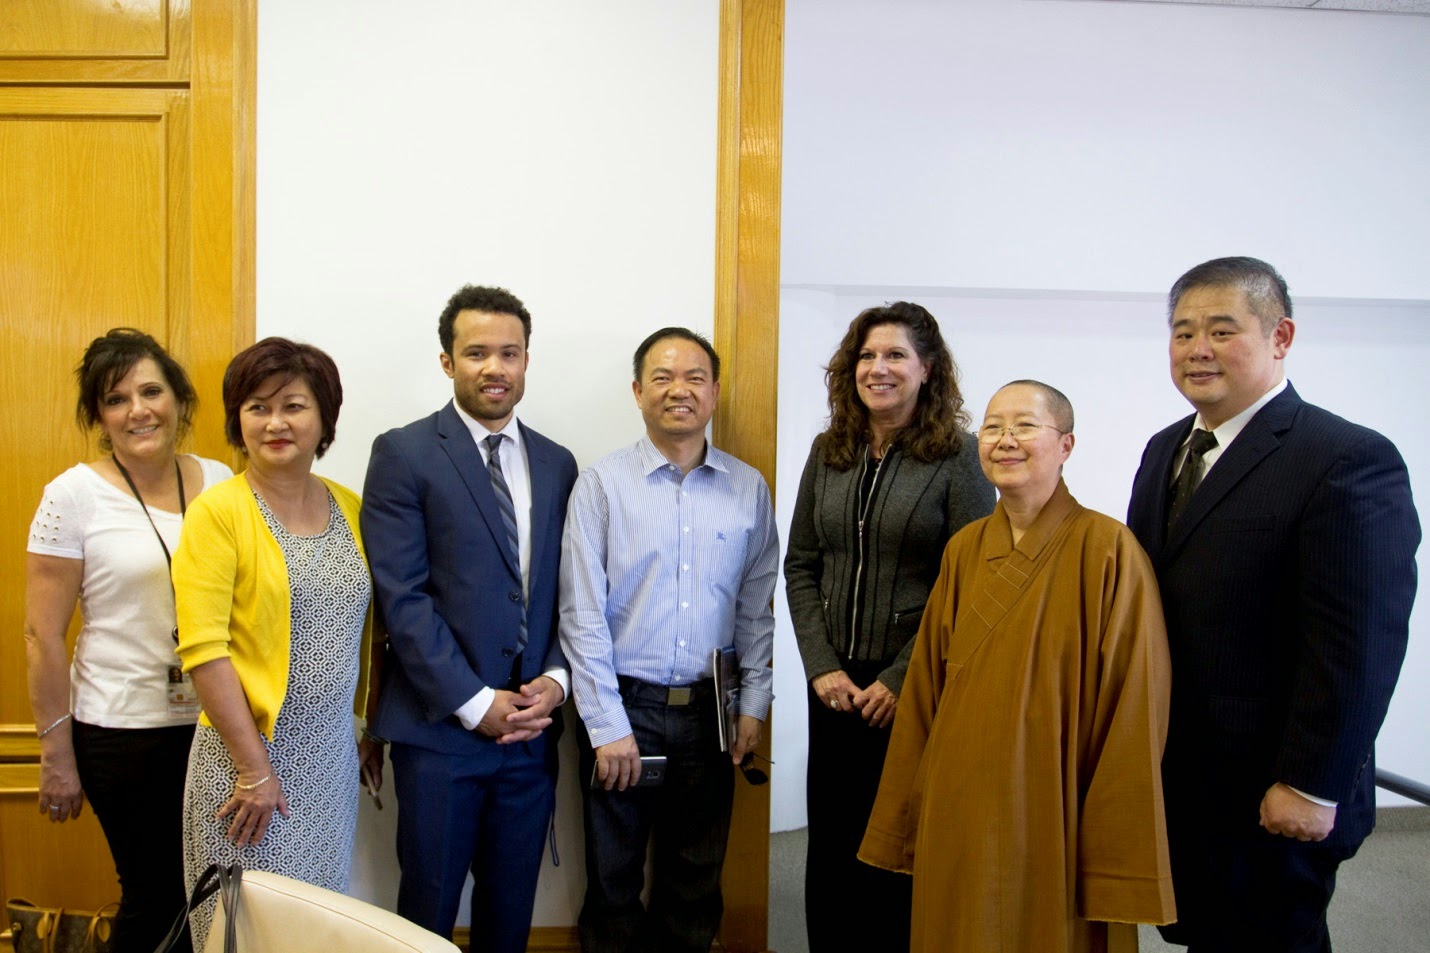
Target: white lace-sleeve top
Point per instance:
(125, 648)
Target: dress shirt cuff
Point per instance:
(608, 726)
(561, 677)
(1313, 799)
(475, 709)
(755, 702)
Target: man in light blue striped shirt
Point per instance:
(669, 553)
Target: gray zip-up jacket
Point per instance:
(915, 508)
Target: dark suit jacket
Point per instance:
(1287, 584)
(447, 591)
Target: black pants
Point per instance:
(1245, 890)
(688, 817)
(134, 780)
(848, 905)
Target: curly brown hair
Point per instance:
(940, 419)
(109, 358)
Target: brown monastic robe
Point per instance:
(1022, 786)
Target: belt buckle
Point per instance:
(677, 695)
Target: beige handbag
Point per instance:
(279, 915)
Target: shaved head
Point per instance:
(1058, 404)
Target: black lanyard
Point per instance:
(183, 504)
(183, 508)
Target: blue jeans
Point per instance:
(688, 817)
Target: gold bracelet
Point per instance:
(58, 721)
(249, 787)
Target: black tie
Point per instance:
(508, 518)
(1193, 468)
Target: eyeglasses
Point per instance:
(992, 433)
(754, 775)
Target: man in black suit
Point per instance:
(1285, 549)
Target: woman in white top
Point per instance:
(116, 723)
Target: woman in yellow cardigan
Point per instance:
(274, 610)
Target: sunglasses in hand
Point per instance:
(753, 774)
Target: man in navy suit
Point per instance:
(1286, 557)
(462, 519)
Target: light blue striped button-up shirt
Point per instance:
(657, 571)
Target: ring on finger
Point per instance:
(834, 703)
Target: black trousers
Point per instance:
(687, 818)
(848, 905)
(1250, 891)
(134, 780)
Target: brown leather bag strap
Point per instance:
(101, 927)
(48, 926)
(47, 922)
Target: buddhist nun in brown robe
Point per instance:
(1022, 787)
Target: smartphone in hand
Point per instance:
(652, 772)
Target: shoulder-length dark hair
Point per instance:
(939, 417)
(280, 357)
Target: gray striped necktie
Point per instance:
(508, 518)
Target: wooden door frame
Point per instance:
(223, 93)
(747, 293)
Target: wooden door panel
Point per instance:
(94, 184)
(82, 40)
(50, 864)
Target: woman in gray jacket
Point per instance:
(887, 483)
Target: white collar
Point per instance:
(479, 431)
(1231, 429)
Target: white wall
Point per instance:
(1100, 146)
(1037, 173)
(564, 150)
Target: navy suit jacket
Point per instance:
(447, 590)
(1287, 584)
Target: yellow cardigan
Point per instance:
(232, 596)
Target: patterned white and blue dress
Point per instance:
(313, 751)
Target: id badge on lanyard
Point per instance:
(183, 700)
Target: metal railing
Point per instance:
(1403, 786)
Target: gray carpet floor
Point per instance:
(1382, 901)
